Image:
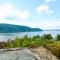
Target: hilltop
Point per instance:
(10, 28)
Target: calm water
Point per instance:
(6, 36)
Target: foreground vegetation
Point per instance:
(47, 41)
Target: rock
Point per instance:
(44, 54)
(27, 54)
(24, 54)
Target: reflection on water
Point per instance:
(6, 36)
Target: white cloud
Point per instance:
(47, 0)
(23, 14)
(52, 25)
(10, 10)
(44, 9)
(50, 0)
(6, 10)
(46, 24)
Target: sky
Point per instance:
(44, 14)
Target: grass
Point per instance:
(47, 41)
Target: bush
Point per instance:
(58, 37)
(54, 48)
(47, 36)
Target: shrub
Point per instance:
(58, 37)
(47, 36)
(54, 48)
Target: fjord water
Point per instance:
(6, 36)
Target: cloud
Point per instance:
(52, 24)
(10, 10)
(44, 9)
(23, 14)
(5, 10)
(50, 0)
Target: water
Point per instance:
(6, 36)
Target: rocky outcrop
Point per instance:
(26, 54)
(44, 54)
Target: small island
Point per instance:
(10, 28)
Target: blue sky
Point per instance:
(43, 14)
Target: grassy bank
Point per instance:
(47, 41)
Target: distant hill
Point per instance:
(10, 28)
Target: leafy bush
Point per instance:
(47, 36)
(54, 48)
(58, 37)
